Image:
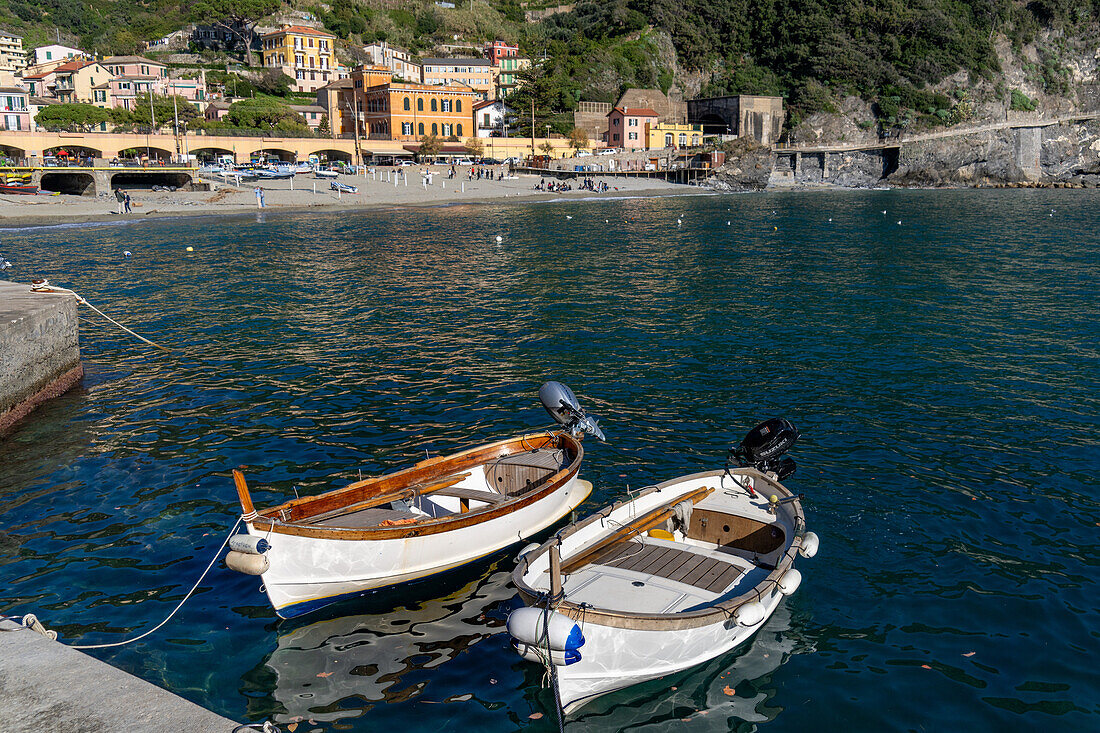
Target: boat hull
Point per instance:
(308, 573)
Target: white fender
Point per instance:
(248, 544)
(533, 654)
(810, 543)
(247, 563)
(538, 627)
(750, 614)
(525, 550)
(790, 581)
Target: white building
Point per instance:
(54, 52)
(490, 118)
(396, 59)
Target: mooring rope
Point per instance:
(43, 286)
(178, 607)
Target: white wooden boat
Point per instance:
(325, 173)
(675, 575)
(442, 513)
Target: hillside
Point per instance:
(885, 63)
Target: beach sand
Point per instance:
(29, 211)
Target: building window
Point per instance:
(447, 130)
(299, 74)
(632, 122)
(460, 130)
(615, 137)
(632, 136)
(683, 139)
(407, 105)
(435, 129)
(615, 122)
(49, 55)
(420, 108)
(694, 140)
(445, 105)
(486, 120)
(406, 128)
(433, 105)
(458, 106)
(668, 140)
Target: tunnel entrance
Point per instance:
(74, 184)
(148, 179)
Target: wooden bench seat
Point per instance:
(683, 566)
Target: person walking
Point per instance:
(121, 198)
(126, 201)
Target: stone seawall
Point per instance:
(39, 349)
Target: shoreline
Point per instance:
(19, 213)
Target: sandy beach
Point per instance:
(307, 193)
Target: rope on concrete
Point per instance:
(178, 607)
(43, 286)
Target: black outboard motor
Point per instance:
(764, 446)
(563, 406)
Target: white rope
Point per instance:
(178, 607)
(43, 286)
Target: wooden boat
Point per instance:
(442, 513)
(325, 173)
(18, 187)
(343, 187)
(675, 575)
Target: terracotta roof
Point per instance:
(43, 75)
(636, 111)
(13, 90)
(339, 84)
(73, 66)
(301, 30)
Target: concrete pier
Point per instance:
(46, 686)
(39, 349)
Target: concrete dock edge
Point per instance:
(39, 349)
(47, 686)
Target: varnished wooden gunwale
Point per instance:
(269, 521)
(717, 613)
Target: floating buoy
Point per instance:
(776, 229)
(248, 544)
(810, 543)
(532, 653)
(568, 217)
(126, 253)
(679, 222)
(750, 614)
(525, 550)
(539, 627)
(247, 563)
(728, 223)
(500, 238)
(190, 249)
(790, 581)
(899, 222)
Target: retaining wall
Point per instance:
(39, 349)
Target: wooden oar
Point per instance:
(374, 501)
(636, 527)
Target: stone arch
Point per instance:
(74, 183)
(149, 178)
(287, 156)
(71, 152)
(209, 153)
(148, 154)
(12, 153)
(331, 154)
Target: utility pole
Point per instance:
(176, 114)
(532, 129)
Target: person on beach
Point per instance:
(121, 198)
(259, 197)
(126, 202)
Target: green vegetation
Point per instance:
(81, 117)
(1021, 102)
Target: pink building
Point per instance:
(14, 111)
(626, 127)
(135, 67)
(498, 50)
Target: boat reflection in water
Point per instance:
(336, 668)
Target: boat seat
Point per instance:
(702, 571)
(520, 473)
(489, 497)
(370, 517)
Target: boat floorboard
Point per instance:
(672, 563)
(364, 518)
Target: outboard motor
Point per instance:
(764, 446)
(563, 406)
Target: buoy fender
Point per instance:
(810, 544)
(525, 550)
(533, 654)
(248, 544)
(790, 581)
(750, 614)
(247, 563)
(538, 627)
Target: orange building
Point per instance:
(406, 111)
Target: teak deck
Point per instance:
(701, 571)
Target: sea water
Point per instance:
(938, 350)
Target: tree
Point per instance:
(578, 139)
(546, 148)
(474, 146)
(164, 112)
(263, 114)
(239, 17)
(323, 127)
(275, 83)
(76, 117)
(430, 145)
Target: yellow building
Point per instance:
(75, 81)
(406, 111)
(306, 55)
(672, 135)
(12, 57)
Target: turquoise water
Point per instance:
(944, 372)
